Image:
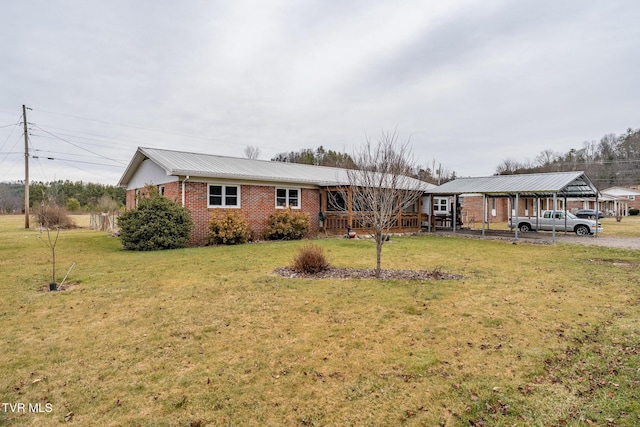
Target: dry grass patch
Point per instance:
(212, 336)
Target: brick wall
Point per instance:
(173, 191)
(473, 208)
(257, 203)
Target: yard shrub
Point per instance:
(287, 225)
(50, 215)
(634, 211)
(228, 228)
(73, 205)
(157, 223)
(310, 259)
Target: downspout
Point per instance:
(184, 181)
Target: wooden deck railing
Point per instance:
(339, 221)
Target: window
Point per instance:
(288, 197)
(440, 205)
(335, 201)
(224, 196)
(161, 190)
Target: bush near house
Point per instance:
(228, 228)
(157, 223)
(287, 225)
(634, 211)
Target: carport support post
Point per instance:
(455, 212)
(565, 215)
(597, 215)
(431, 217)
(553, 218)
(516, 214)
(484, 211)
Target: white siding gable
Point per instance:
(149, 173)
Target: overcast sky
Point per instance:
(470, 83)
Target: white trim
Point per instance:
(224, 196)
(287, 198)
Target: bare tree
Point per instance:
(545, 159)
(49, 217)
(107, 204)
(507, 167)
(381, 186)
(252, 152)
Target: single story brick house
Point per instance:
(203, 183)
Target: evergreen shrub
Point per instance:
(157, 223)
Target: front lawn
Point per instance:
(532, 335)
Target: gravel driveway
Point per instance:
(545, 238)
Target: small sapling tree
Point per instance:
(380, 186)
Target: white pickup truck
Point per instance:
(564, 221)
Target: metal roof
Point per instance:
(179, 163)
(566, 184)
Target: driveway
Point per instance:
(545, 238)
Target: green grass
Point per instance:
(533, 335)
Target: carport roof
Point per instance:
(564, 184)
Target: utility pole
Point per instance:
(26, 168)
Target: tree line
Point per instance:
(435, 173)
(75, 196)
(614, 160)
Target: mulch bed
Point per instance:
(363, 273)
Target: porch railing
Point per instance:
(340, 221)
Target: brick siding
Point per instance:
(256, 203)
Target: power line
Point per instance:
(100, 139)
(65, 154)
(76, 161)
(10, 133)
(136, 127)
(80, 147)
(92, 172)
(95, 144)
(11, 151)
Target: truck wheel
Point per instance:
(525, 228)
(582, 230)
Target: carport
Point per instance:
(564, 185)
